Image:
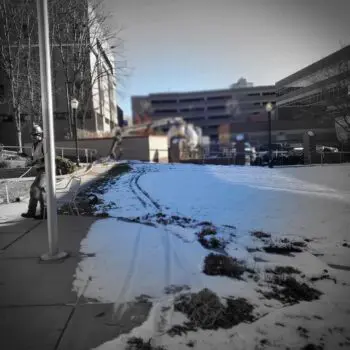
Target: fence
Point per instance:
(280, 158)
(18, 186)
(87, 154)
(330, 157)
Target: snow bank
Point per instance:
(133, 259)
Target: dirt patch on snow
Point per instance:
(88, 201)
(215, 238)
(290, 291)
(284, 270)
(205, 310)
(261, 234)
(139, 344)
(222, 265)
(174, 289)
(324, 276)
(282, 249)
(181, 329)
(163, 219)
(312, 347)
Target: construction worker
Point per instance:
(37, 190)
(116, 151)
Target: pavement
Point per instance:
(38, 307)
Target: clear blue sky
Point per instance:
(180, 45)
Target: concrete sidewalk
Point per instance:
(38, 308)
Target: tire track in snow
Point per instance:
(162, 313)
(120, 304)
(140, 193)
(131, 186)
(167, 258)
(164, 306)
(145, 193)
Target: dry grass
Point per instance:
(205, 310)
(284, 270)
(261, 234)
(283, 249)
(139, 344)
(290, 291)
(222, 265)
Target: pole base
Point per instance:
(56, 257)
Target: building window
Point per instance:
(218, 117)
(99, 122)
(194, 119)
(165, 111)
(192, 109)
(268, 93)
(215, 98)
(107, 121)
(6, 118)
(25, 31)
(2, 92)
(254, 94)
(60, 116)
(215, 108)
(189, 100)
(160, 102)
(256, 103)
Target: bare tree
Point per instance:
(88, 55)
(17, 27)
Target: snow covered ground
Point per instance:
(127, 260)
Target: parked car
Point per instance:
(282, 154)
(326, 149)
(250, 152)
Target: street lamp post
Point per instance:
(269, 108)
(74, 103)
(49, 136)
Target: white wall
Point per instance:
(158, 148)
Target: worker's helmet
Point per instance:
(37, 131)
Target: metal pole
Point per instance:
(7, 194)
(49, 141)
(270, 137)
(76, 137)
(69, 109)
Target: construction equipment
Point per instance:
(175, 128)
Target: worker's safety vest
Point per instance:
(38, 155)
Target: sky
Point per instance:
(185, 45)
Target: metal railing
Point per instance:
(88, 154)
(330, 157)
(280, 158)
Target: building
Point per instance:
(120, 115)
(208, 109)
(308, 100)
(311, 98)
(82, 68)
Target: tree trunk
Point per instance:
(18, 130)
